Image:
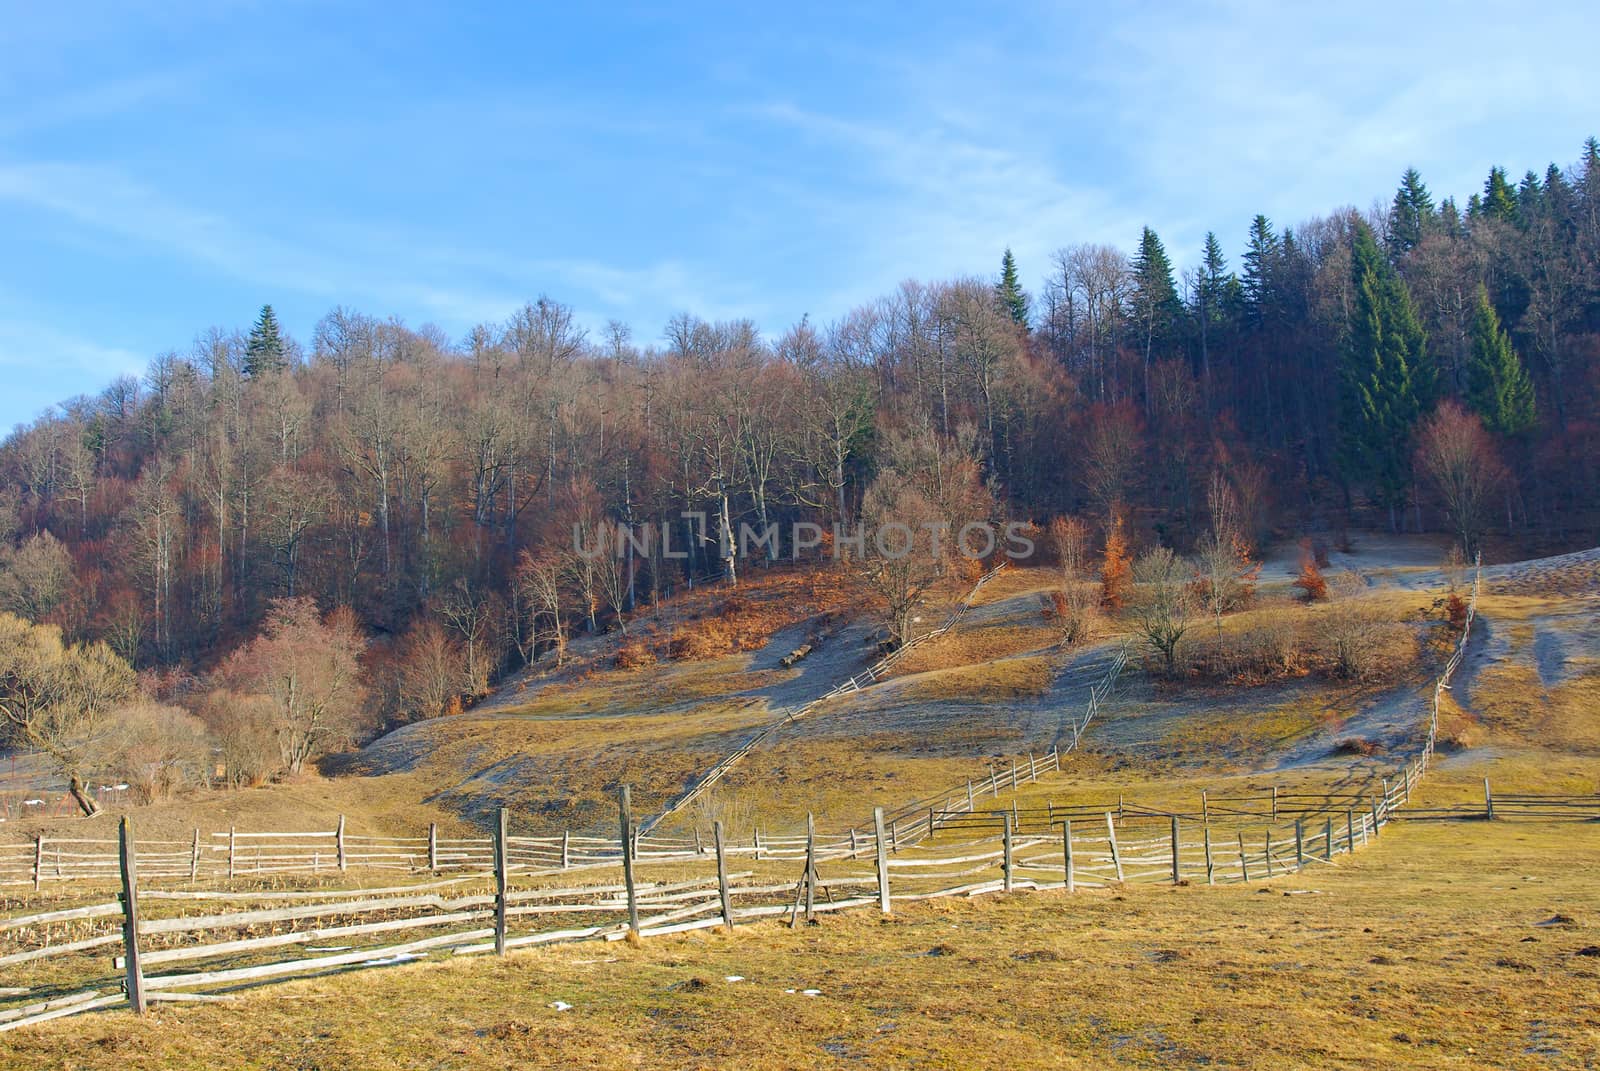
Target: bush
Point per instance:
(635, 656)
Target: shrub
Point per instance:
(635, 656)
(1313, 586)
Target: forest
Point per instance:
(394, 513)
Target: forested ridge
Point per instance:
(1427, 363)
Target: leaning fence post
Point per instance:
(1033, 770)
(1488, 800)
(1244, 868)
(722, 876)
(1299, 845)
(1269, 853)
(883, 861)
(1111, 834)
(1274, 803)
(894, 835)
(969, 793)
(1066, 851)
(339, 839)
(1211, 867)
(500, 882)
(194, 856)
(1176, 877)
(1005, 843)
(38, 860)
(625, 815)
(854, 849)
(1205, 808)
(130, 915)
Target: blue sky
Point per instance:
(167, 167)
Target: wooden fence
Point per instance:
(532, 896)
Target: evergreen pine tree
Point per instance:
(1009, 290)
(1499, 199)
(1258, 261)
(1156, 303)
(1387, 383)
(1412, 214)
(265, 351)
(1498, 387)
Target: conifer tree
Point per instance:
(1259, 255)
(1386, 378)
(1009, 290)
(1116, 566)
(265, 351)
(1411, 216)
(1499, 199)
(1498, 387)
(1155, 295)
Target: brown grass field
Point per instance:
(1446, 944)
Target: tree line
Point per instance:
(1419, 364)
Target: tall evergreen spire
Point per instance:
(1499, 199)
(265, 351)
(1258, 265)
(1009, 290)
(1156, 295)
(1498, 387)
(1386, 378)
(1412, 214)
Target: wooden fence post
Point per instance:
(1205, 808)
(130, 915)
(500, 882)
(722, 875)
(1269, 853)
(1176, 876)
(1350, 829)
(930, 825)
(1033, 769)
(194, 856)
(757, 838)
(894, 835)
(699, 846)
(1005, 860)
(1274, 803)
(1066, 851)
(1488, 800)
(854, 848)
(1374, 816)
(625, 816)
(433, 847)
(38, 860)
(1385, 794)
(339, 840)
(1244, 868)
(811, 868)
(1013, 775)
(1211, 866)
(883, 861)
(1327, 839)
(1111, 834)
(1119, 807)
(1299, 845)
(969, 793)
(233, 848)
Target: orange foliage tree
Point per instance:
(1116, 567)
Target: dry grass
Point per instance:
(1007, 678)
(1420, 952)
